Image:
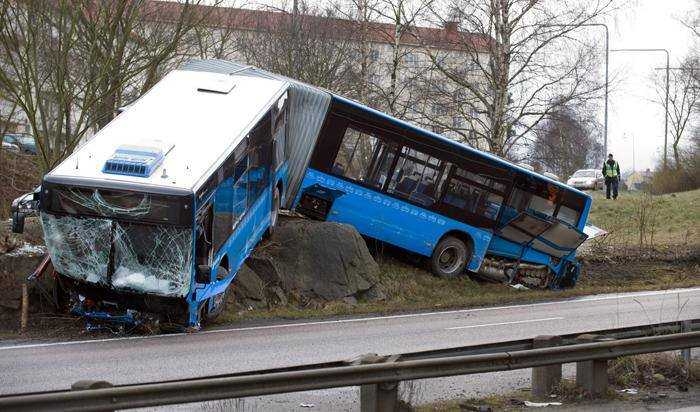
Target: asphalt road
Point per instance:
(55, 365)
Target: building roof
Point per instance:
(448, 38)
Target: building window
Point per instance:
(410, 59)
(374, 55)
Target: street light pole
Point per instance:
(668, 58)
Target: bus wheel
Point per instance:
(450, 257)
(274, 213)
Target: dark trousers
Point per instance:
(611, 183)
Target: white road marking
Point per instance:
(593, 298)
(504, 323)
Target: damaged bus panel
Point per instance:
(152, 217)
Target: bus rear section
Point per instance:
(458, 207)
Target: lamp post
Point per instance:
(668, 58)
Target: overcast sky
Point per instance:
(645, 24)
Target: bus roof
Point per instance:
(197, 118)
(457, 146)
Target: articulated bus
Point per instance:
(154, 215)
(457, 206)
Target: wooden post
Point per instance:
(24, 311)
(545, 378)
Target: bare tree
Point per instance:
(363, 12)
(217, 36)
(683, 102)
(69, 64)
(692, 20)
(566, 140)
(511, 59)
(307, 43)
(403, 67)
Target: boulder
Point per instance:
(315, 260)
(247, 290)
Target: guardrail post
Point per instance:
(545, 378)
(686, 326)
(378, 397)
(592, 375)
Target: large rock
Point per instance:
(316, 260)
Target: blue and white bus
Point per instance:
(155, 214)
(459, 207)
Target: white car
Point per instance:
(587, 179)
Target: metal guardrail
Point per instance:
(391, 370)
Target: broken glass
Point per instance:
(152, 259)
(79, 248)
(147, 258)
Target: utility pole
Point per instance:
(668, 58)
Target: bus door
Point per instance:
(549, 236)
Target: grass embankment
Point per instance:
(615, 264)
(672, 219)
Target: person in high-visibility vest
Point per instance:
(611, 172)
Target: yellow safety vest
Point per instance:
(610, 170)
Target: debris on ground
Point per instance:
(541, 404)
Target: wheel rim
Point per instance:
(449, 260)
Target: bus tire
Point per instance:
(450, 257)
(274, 213)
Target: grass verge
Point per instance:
(409, 288)
(649, 375)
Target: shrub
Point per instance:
(19, 174)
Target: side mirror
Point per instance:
(23, 206)
(18, 222)
(203, 274)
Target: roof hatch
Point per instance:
(139, 161)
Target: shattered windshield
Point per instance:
(145, 258)
(118, 204)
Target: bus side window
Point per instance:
(416, 177)
(240, 191)
(259, 158)
(229, 203)
(465, 194)
(355, 155)
(379, 170)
